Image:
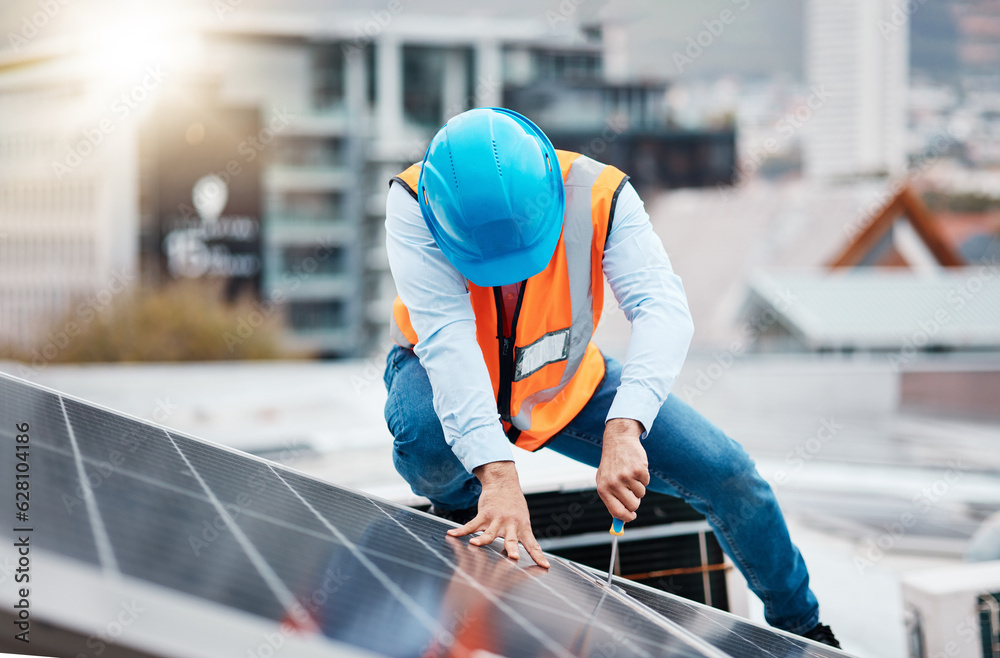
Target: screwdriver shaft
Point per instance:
(614, 553)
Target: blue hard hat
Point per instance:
(491, 192)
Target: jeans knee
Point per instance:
(440, 481)
(416, 433)
(411, 418)
(434, 476)
(426, 461)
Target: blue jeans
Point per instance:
(688, 458)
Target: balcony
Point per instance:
(304, 286)
(290, 229)
(330, 340)
(333, 123)
(287, 177)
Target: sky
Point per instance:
(750, 36)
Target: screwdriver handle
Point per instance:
(617, 527)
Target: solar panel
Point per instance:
(223, 553)
(731, 634)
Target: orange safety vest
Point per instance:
(547, 369)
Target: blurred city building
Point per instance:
(978, 28)
(256, 149)
(624, 124)
(857, 58)
(68, 191)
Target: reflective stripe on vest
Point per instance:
(545, 376)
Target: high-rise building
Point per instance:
(857, 62)
(68, 193)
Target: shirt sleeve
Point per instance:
(437, 298)
(652, 298)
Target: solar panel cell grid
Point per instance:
(108, 440)
(729, 633)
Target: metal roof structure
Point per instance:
(872, 309)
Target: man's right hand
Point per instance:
(503, 512)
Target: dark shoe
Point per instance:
(821, 633)
(459, 516)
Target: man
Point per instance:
(498, 245)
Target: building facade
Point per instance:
(68, 196)
(857, 54)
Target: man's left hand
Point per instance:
(624, 470)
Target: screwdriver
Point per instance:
(617, 530)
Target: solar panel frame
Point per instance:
(208, 628)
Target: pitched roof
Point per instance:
(877, 244)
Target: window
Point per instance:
(310, 152)
(423, 79)
(313, 260)
(328, 76)
(306, 316)
(310, 206)
(568, 66)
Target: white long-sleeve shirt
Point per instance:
(436, 296)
